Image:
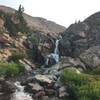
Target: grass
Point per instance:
(10, 69)
(82, 86)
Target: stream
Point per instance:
(41, 74)
(20, 94)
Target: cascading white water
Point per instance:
(54, 55)
(20, 94)
(56, 47)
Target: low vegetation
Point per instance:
(10, 69)
(16, 56)
(82, 86)
(34, 40)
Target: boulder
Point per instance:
(50, 60)
(71, 62)
(50, 92)
(35, 87)
(43, 78)
(91, 57)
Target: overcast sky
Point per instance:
(63, 12)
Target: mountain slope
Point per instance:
(37, 22)
(82, 35)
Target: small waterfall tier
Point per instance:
(20, 94)
(55, 54)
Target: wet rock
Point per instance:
(50, 92)
(28, 80)
(53, 71)
(62, 92)
(43, 78)
(51, 59)
(40, 94)
(58, 84)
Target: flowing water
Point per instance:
(20, 94)
(56, 51)
(55, 54)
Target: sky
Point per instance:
(63, 12)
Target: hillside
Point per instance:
(82, 40)
(37, 22)
(36, 63)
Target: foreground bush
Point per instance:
(10, 69)
(81, 86)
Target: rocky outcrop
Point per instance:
(75, 40)
(81, 36)
(91, 57)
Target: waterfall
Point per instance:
(20, 94)
(55, 54)
(56, 47)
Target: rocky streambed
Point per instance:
(44, 84)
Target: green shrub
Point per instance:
(82, 86)
(10, 25)
(16, 55)
(91, 90)
(70, 75)
(94, 71)
(34, 40)
(10, 69)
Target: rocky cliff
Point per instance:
(81, 36)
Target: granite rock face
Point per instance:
(91, 57)
(81, 36)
